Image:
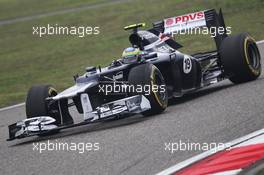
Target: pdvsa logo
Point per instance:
(184, 18)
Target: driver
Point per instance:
(132, 55)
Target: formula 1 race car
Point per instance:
(150, 72)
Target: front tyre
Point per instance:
(240, 58)
(36, 104)
(148, 75)
(36, 100)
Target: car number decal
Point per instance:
(187, 65)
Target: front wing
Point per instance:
(45, 124)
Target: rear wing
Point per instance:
(207, 18)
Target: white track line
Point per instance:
(12, 107)
(21, 104)
(60, 12)
(260, 42)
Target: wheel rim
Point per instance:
(253, 55)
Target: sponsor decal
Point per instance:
(164, 37)
(118, 75)
(184, 19)
(184, 22)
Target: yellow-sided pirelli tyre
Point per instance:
(149, 78)
(240, 58)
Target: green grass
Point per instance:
(26, 59)
(19, 8)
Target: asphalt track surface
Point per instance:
(135, 145)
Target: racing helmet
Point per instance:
(131, 55)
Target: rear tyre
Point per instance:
(240, 58)
(149, 74)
